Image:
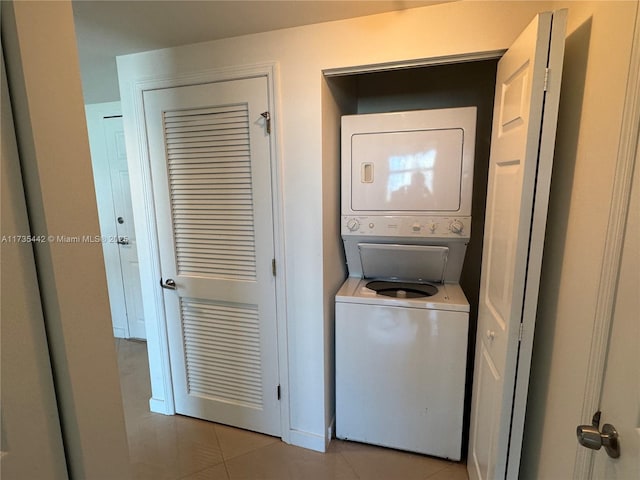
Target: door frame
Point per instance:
(627, 158)
(146, 229)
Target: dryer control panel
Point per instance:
(410, 226)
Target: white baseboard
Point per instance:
(331, 432)
(308, 440)
(159, 406)
(119, 332)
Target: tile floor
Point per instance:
(182, 448)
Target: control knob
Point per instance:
(456, 226)
(353, 224)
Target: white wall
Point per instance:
(335, 101)
(44, 83)
(310, 191)
(31, 442)
(597, 54)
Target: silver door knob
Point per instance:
(590, 436)
(123, 241)
(169, 284)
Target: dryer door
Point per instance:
(407, 171)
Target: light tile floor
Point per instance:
(182, 448)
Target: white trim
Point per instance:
(422, 62)
(330, 431)
(148, 254)
(160, 406)
(119, 332)
(312, 441)
(277, 173)
(619, 207)
(146, 229)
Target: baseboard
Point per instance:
(159, 406)
(331, 432)
(308, 440)
(119, 332)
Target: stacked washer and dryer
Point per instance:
(401, 317)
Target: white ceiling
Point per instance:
(107, 28)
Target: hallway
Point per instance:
(182, 448)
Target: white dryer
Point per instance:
(401, 318)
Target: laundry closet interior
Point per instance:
(452, 84)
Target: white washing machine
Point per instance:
(401, 318)
(401, 366)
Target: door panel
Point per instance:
(511, 234)
(210, 156)
(487, 378)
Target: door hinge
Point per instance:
(267, 119)
(278, 391)
(273, 267)
(546, 78)
(521, 332)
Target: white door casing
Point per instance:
(620, 403)
(523, 136)
(211, 169)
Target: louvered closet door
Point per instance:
(210, 158)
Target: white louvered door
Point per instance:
(210, 157)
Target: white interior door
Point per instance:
(523, 135)
(113, 196)
(210, 162)
(620, 404)
(125, 235)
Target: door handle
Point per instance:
(591, 437)
(169, 284)
(123, 241)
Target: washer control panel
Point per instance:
(423, 227)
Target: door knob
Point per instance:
(123, 241)
(169, 284)
(591, 437)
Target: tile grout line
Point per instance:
(352, 467)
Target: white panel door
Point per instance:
(125, 237)
(523, 136)
(210, 156)
(620, 404)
